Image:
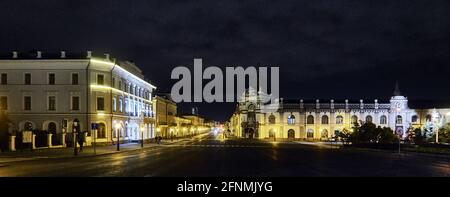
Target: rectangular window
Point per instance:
(4, 103)
(120, 85)
(74, 78)
(52, 103)
(120, 105)
(113, 82)
(100, 79)
(51, 79)
(114, 104)
(75, 103)
(27, 80)
(27, 103)
(4, 78)
(100, 103)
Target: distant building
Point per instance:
(55, 92)
(318, 120)
(171, 124)
(166, 113)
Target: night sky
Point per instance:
(325, 49)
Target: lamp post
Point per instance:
(117, 126)
(142, 136)
(75, 151)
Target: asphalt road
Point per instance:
(211, 156)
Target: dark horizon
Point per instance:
(325, 49)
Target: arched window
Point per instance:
(339, 119)
(291, 119)
(383, 119)
(369, 119)
(101, 133)
(324, 119)
(354, 119)
(310, 119)
(414, 118)
(271, 119)
(399, 120)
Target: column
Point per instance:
(49, 140)
(33, 142)
(64, 139)
(12, 143)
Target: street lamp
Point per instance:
(75, 151)
(117, 126)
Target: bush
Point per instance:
(370, 133)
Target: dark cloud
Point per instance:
(327, 49)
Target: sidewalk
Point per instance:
(21, 155)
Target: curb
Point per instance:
(80, 155)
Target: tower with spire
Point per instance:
(399, 110)
(397, 89)
(398, 101)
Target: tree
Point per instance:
(386, 135)
(370, 133)
(419, 136)
(444, 135)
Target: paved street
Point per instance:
(213, 156)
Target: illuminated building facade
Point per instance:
(59, 93)
(316, 120)
(166, 112)
(171, 124)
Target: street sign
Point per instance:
(27, 137)
(94, 126)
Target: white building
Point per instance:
(46, 92)
(318, 120)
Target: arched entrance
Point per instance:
(291, 134)
(249, 133)
(271, 133)
(51, 128)
(56, 138)
(310, 134)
